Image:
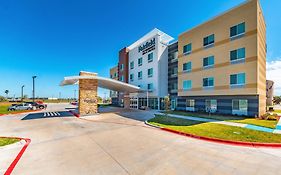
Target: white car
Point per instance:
(19, 107)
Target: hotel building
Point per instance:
(222, 63)
(218, 66)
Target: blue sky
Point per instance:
(57, 38)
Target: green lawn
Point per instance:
(7, 141)
(4, 109)
(213, 130)
(237, 119)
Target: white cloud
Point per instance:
(273, 72)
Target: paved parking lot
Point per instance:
(117, 142)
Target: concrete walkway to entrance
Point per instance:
(248, 126)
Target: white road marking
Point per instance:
(45, 114)
(48, 114)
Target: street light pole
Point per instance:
(33, 90)
(22, 92)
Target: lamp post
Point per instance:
(22, 92)
(33, 85)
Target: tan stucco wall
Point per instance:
(253, 41)
(88, 102)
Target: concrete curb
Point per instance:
(221, 141)
(16, 160)
(15, 113)
(74, 113)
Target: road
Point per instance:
(117, 142)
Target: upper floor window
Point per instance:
(132, 65)
(237, 30)
(187, 84)
(174, 71)
(237, 79)
(174, 86)
(208, 82)
(187, 66)
(236, 55)
(209, 40)
(150, 57)
(111, 76)
(174, 56)
(140, 61)
(150, 86)
(131, 77)
(208, 61)
(187, 48)
(115, 74)
(122, 67)
(150, 72)
(140, 75)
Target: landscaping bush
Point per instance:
(268, 116)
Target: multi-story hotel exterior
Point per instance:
(218, 66)
(148, 65)
(222, 63)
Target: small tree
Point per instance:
(167, 103)
(2, 98)
(6, 92)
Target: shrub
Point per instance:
(268, 116)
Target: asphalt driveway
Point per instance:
(117, 142)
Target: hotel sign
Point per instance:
(147, 47)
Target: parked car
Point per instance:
(19, 107)
(37, 105)
(75, 103)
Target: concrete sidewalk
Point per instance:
(248, 126)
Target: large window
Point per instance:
(187, 85)
(132, 65)
(208, 61)
(150, 86)
(174, 56)
(190, 103)
(237, 79)
(150, 57)
(211, 105)
(239, 107)
(238, 54)
(122, 78)
(131, 77)
(187, 67)
(209, 40)
(150, 72)
(140, 75)
(237, 30)
(187, 48)
(208, 82)
(140, 61)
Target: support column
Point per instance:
(127, 101)
(88, 101)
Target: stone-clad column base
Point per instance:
(88, 101)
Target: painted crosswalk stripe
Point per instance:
(45, 114)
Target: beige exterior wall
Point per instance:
(253, 41)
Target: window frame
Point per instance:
(139, 73)
(209, 65)
(187, 52)
(208, 82)
(187, 70)
(237, 79)
(187, 87)
(150, 75)
(237, 30)
(148, 57)
(209, 43)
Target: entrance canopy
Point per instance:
(103, 82)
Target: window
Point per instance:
(174, 72)
(187, 84)
(140, 75)
(239, 107)
(174, 86)
(140, 61)
(238, 54)
(238, 79)
(150, 72)
(190, 103)
(187, 66)
(111, 76)
(131, 77)
(132, 65)
(174, 56)
(122, 78)
(122, 67)
(208, 82)
(211, 105)
(149, 86)
(237, 30)
(187, 49)
(208, 61)
(115, 74)
(209, 40)
(150, 57)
